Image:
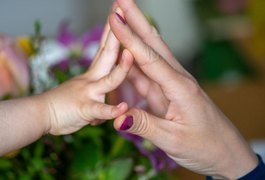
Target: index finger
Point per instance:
(151, 63)
(148, 33)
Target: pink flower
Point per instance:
(231, 6)
(14, 71)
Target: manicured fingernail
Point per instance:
(127, 123)
(120, 18)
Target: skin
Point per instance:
(72, 105)
(186, 124)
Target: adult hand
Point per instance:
(191, 130)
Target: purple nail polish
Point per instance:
(127, 123)
(120, 18)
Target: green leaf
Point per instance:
(39, 149)
(90, 132)
(5, 164)
(86, 158)
(25, 177)
(117, 147)
(60, 75)
(120, 169)
(46, 176)
(37, 27)
(38, 164)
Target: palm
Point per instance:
(149, 90)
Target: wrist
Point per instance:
(256, 174)
(42, 105)
(238, 165)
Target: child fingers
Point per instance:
(117, 76)
(103, 111)
(107, 57)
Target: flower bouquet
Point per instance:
(34, 64)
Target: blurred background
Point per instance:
(221, 42)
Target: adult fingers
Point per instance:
(140, 81)
(150, 90)
(135, 19)
(97, 110)
(149, 61)
(116, 77)
(141, 123)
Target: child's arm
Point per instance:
(70, 106)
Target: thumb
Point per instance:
(141, 123)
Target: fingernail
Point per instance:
(127, 123)
(119, 105)
(120, 18)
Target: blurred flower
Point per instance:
(256, 13)
(81, 50)
(231, 6)
(14, 72)
(50, 54)
(67, 52)
(157, 157)
(26, 45)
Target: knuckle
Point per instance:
(150, 34)
(109, 79)
(151, 56)
(192, 86)
(88, 90)
(100, 108)
(154, 57)
(107, 50)
(113, 112)
(143, 127)
(85, 113)
(122, 70)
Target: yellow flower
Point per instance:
(26, 45)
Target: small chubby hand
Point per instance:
(81, 100)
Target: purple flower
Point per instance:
(158, 158)
(65, 36)
(231, 6)
(81, 50)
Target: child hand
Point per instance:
(80, 101)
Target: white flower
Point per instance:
(51, 53)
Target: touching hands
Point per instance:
(185, 124)
(81, 100)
